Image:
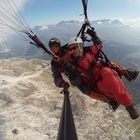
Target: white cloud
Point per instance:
(133, 22)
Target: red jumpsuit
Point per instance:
(107, 80)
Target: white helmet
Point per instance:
(75, 40)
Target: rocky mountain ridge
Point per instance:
(30, 107)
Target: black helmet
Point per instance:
(53, 41)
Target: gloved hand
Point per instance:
(91, 32)
(65, 85)
(94, 36)
(57, 59)
(87, 22)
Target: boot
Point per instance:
(113, 104)
(132, 112)
(131, 74)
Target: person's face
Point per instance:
(55, 48)
(77, 49)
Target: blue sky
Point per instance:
(39, 12)
(52, 11)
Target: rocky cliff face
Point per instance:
(30, 107)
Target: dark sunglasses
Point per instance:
(54, 45)
(73, 48)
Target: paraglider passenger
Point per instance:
(106, 80)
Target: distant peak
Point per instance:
(68, 22)
(108, 21)
(43, 27)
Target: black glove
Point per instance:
(65, 85)
(94, 36)
(91, 32)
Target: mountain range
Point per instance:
(110, 31)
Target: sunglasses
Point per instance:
(74, 47)
(54, 45)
